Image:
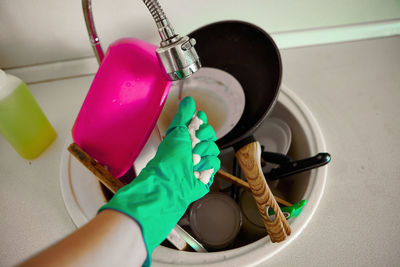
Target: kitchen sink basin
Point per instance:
(83, 194)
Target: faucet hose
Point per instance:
(164, 27)
(155, 9)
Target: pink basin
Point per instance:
(122, 105)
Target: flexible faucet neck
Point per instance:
(177, 54)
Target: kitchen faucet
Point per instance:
(176, 54)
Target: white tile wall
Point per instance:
(39, 31)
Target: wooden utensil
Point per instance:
(235, 180)
(104, 176)
(248, 154)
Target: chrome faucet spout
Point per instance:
(177, 54)
(94, 39)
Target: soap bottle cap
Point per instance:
(2, 78)
(8, 83)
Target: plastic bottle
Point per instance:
(22, 122)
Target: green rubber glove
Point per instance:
(181, 172)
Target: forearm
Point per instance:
(110, 239)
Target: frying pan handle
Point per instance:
(249, 157)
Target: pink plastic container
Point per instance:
(122, 105)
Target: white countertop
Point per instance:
(353, 90)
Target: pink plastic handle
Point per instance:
(122, 105)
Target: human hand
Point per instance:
(181, 172)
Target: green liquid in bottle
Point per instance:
(23, 123)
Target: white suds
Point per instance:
(204, 176)
(196, 159)
(193, 127)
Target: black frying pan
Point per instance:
(250, 55)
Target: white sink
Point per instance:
(83, 195)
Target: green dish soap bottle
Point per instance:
(22, 121)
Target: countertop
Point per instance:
(353, 90)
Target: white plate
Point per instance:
(216, 92)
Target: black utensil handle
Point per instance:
(298, 166)
(274, 157)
